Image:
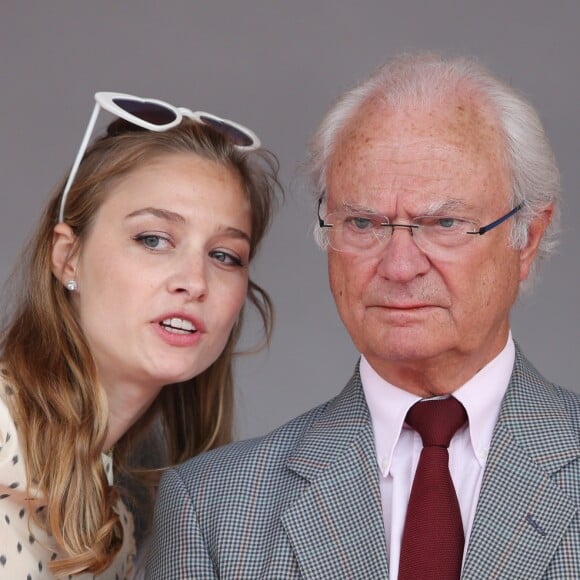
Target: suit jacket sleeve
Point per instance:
(178, 548)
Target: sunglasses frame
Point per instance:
(106, 100)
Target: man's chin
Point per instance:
(409, 343)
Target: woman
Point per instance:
(128, 314)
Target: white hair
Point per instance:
(425, 79)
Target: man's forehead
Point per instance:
(436, 206)
(455, 119)
(432, 147)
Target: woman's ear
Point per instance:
(64, 253)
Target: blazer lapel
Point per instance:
(522, 513)
(336, 527)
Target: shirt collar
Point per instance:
(481, 396)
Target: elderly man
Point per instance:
(447, 455)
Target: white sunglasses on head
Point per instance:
(156, 116)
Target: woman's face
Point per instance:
(163, 271)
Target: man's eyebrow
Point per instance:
(446, 205)
(164, 214)
(346, 206)
(434, 208)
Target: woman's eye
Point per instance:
(153, 241)
(226, 258)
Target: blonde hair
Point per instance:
(58, 401)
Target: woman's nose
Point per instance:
(190, 277)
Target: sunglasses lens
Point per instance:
(233, 134)
(150, 112)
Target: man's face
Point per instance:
(415, 315)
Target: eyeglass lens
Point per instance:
(235, 135)
(157, 114)
(150, 112)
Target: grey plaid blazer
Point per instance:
(303, 501)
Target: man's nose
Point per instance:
(390, 229)
(401, 259)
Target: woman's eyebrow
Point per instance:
(165, 214)
(235, 233)
(172, 216)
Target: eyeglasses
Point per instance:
(154, 115)
(434, 234)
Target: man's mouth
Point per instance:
(178, 325)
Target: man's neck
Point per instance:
(430, 377)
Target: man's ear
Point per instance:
(64, 253)
(536, 232)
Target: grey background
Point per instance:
(277, 66)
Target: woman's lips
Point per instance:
(179, 329)
(179, 325)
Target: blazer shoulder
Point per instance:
(268, 450)
(543, 399)
(571, 403)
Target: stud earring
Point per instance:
(72, 286)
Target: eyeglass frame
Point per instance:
(482, 230)
(106, 100)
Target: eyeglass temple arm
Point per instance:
(320, 220)
(77, 161)
(498, 221)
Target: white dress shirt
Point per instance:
(398, 447)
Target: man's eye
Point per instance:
(358, 223)
(447, 222)
(440, 223)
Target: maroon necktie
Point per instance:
(432, 546)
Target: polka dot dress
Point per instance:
(25, 549)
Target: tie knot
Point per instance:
(437, 421)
